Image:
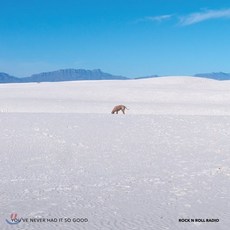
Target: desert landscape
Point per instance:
(68, 163)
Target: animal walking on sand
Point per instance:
(117, 108)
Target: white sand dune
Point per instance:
(166, 95)
(63, 155)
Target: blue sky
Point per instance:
(125, 37)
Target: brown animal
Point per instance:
(117, 108)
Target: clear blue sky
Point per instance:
(126, 37)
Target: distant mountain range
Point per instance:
(62, 75)
(6, 78)
(217, 76)
(82, 74)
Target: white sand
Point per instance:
(64, 155)
(166, 95)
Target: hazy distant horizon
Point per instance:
(115, 74)
(20, 74)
